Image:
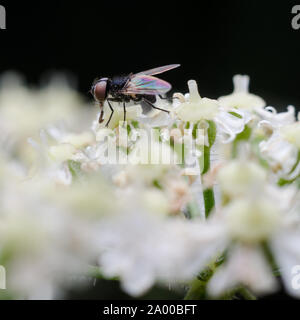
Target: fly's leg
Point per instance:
(112, 111)
(153, 106)
(170, 99)
(124, 109)
(101, 119)
(163, 98)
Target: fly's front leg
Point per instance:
(124, 109)
(112, 111)
(101, 119)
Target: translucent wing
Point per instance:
(144, 84)
(158, 70)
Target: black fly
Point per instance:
(136, 87)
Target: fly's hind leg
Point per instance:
(153, 106)
(163, 98)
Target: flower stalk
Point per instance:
(204, 162)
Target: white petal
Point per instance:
(247, 266)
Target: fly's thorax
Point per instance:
(117, 83)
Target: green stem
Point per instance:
(209, 200)
(282, 182)
(204, 161)
(193, 210)
(245, 293)
(197, 290)
(243, 136)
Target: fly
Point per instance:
(142, 86)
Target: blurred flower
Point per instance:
(241, 98)
(274, 118)
(251, 221)
(246, 265)
(230, 123)
(142, 249)
(192, 107)
(240, 177)
(74, 193)
(252, 216)
(281, 154)
(291, 133)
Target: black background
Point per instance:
(212, 40)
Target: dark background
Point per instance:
(212, 40)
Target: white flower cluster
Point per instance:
(228, 225)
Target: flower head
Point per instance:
(241, 98)
(195, 108)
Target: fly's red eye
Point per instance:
(99, 90)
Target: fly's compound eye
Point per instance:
(99, 90)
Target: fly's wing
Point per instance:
(144, 84)
(158, 70)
